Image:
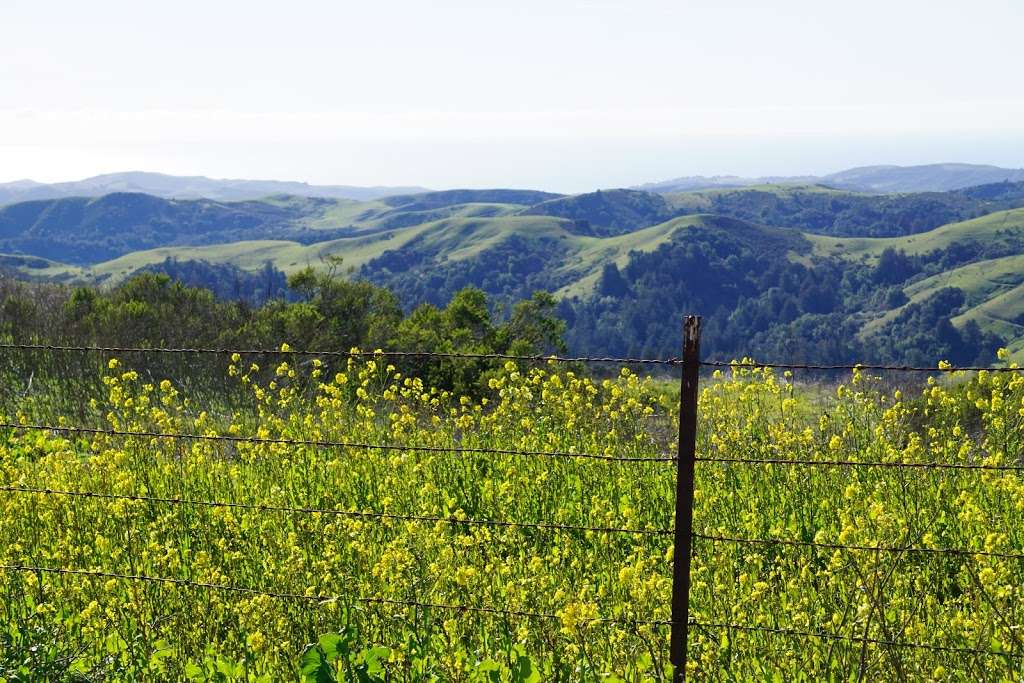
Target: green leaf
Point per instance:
(371, 670)
(523, 671)
(333, 645)
(314, 667)
(225, 668)
(488, 670)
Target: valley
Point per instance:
(427, 246)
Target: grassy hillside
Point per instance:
(753, 257)
(1003, 230)
(995, 295)
(827, 211)
(610, 212)
(112, 236)
(992, 282)
(83, 231)
(593, 253)
(463, 241)
(90, 232)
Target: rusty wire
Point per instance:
(284, 595)
(327, 443)
(798, 633)
(346, 354)
(550, 526)
(862, 463)
(845, 546)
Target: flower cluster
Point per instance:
(592, 584)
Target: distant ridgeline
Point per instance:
(805, 272)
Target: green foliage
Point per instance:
(448, 198)
(607, 212)
(893, 267)
(923, 330)
(622, 281)
(612, 283)
(81, 230)
(962, 588)
(226, 281)
(465, 326)
(328, 312)
(509, 270)
(758, 301)
(830, 212)
(335, 658)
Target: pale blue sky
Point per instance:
(554, 94)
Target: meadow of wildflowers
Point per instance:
(347, 534)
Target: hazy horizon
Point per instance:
(566, 96)
(752, 172)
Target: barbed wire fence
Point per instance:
(682, 533)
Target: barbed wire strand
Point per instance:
(797, 633)
(341, 513)
(859, 366)
(862, 463)
(188, 583)
(327, 443)
(346, 354)
(844, 546)
(505, 356)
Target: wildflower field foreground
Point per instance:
(830, 569)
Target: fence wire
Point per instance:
(824, 635)
(496, 611)
(432, 519)
(322, 443)
(347, 354)
(503, 356)
(862, 366)
(847, 546)
(863, 463)
(542, 525)
(307, 597)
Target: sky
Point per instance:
(553, 94)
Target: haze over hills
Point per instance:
(924, 178)
(187, 187)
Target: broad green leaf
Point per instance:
(314, 667)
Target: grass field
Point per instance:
(1001, 227)
(787, 583)
(448, 231)
(463, 236)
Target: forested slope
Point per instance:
(808, 271)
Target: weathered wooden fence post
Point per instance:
(684, 496)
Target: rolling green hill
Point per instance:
(994, 297)
(82, 231)
(767, 264)
(823, 210)
(1002, 231)
(116, 233)
(611, 212)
